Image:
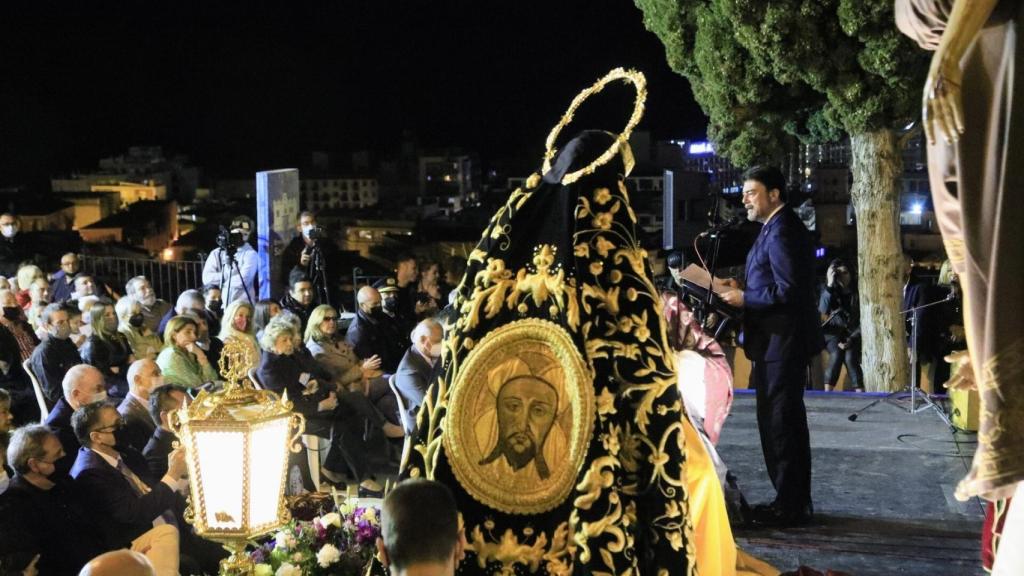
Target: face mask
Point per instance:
(241, 324)
(376, 312)
(148, 300)
(61, 332)
(100, 396)
(8, 231)
(390, 304)
(136, 320)
(307, 229)
(435, 350)
(12, 312)
(213, 305)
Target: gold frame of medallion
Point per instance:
(237, 410)
(530, 335)
(639, 81)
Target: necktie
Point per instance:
(140, 488)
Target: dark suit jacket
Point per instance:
(414, 376)
(51, 360)
(108, 495)
(780, 314)
(367, 337)
(138, 423)
(157, 450)
(281, 372)
(59, 421)
(52, 523)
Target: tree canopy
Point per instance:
(768, 71)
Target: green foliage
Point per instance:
(765, 72)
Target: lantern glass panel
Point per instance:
(269, 457)
(222, 469)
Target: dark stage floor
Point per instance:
(883, 491)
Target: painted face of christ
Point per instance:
(526, 409)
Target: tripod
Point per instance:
(914, 392)
(318, 274)
(231, 269)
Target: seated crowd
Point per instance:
(89, 379)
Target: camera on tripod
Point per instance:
(316, 233)
(229, 241)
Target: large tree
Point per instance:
(765, 71)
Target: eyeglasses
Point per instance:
(330, 318)
(113, 427)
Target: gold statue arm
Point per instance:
(942, 109)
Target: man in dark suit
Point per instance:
(375, 333)
(56, 354)
(162, 401)
(115, 488)
(83, 384)
(418, 367)
(781, 332)
(40, 514)
(143, 376)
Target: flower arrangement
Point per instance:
(340, 542)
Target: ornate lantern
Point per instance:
(236, 444)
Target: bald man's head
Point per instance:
(368, 298)
(83, 384)
(118, 563)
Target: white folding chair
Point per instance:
(40, 398)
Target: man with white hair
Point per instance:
(83, 384)
(153, 308)
(188, 301)
(418, 367)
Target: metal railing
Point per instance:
(169, 279)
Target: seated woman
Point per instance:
(107, 349)
(26, 275)
(181, 361)
(359, 447)
(237, 324)
(131, 324)
(347, 371)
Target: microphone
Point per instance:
(730, 223)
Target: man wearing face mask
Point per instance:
(373, 332)
(116, 486)
(143, 377)
(314, 256)
(238, 277)
(41, 517)
(83, 384)
(56, 354)
(14, 247)
(214, 306)
(163, 400)
(153, 308)
(63, 281)
(419, 366)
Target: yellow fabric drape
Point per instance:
(717, 554)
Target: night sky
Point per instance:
(241, 90)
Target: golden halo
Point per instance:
(639, 82)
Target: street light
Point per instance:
(236, 444)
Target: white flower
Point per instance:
(264, 570)
(284, 540)
(327, 555)
(297, 557)
(287, 569)
(331, 519)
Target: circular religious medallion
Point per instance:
(520, 417)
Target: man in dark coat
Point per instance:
(418, 367)
(84, 386)
(56, 354)
(162, 401)
(373, 332)
(781, 332)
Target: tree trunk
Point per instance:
(877, 166)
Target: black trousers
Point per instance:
(837, 357)
(782, 423)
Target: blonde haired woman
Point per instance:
(181, 361)
(143, 342)
(334, 354)
(238, 323)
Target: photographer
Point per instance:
(312, 254)
(233, 264)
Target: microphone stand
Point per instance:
(913, 391)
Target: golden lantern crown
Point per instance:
(237, 441)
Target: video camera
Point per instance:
(316, 233)
(229, 241)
